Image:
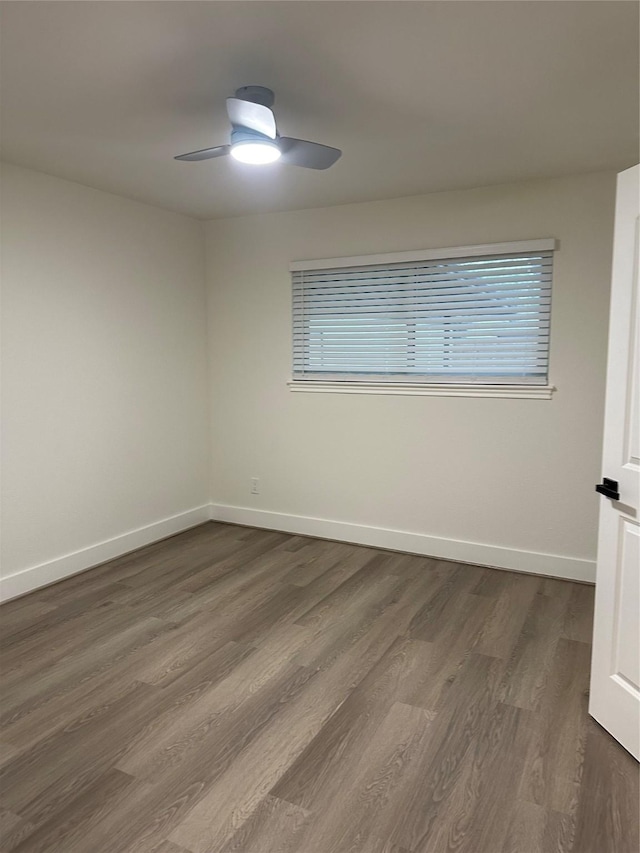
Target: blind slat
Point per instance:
(442, 278)
(336, 359)
(481, 332)
(417, 297)
(439, 268)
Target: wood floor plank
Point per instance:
(59, 615)
(13, 830)
(325, 761)
(8, 822)
(53, 642)
(232, 728)
(52, 765)
(609, 810)
(8, 751)
(490, 582)
(187, 572)
(450, 580)
(246, 691)
(274, 827)
(234, 593)
(147, 662)
(373, 571)
(556, 749)
(54, 711)
(530, 663)
(456, 642)
(177, 650)
(475, 816)
(140, 824)
(237, 793)
(336, 582)
(269, 614)
(234, 560)
(13, 617)
(375, 844)
(461, 718)
(169, 794)
(372, 785)
(71, 821)
(537, 830)
(578, 623)
(162, 847)
(239, 702)
(297, 543)
(503, 627)
(67, 673)
(353, 620)
(411, 565)
(316, 560)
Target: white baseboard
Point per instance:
(531, 562)
(551, 565)
(62, 567)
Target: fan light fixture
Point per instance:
(256, 153)
(255, 139)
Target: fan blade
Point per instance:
(252, 116)
(309, 155)
(204, 153)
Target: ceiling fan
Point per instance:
(255, 139)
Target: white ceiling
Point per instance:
(421, 96)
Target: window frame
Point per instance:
(474, 387)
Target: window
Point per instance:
(478, 315)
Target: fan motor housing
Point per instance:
(256, 94)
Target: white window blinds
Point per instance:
(480, 317)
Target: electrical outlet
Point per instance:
(255, 486)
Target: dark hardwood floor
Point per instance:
(232, 690)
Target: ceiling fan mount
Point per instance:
(257, 95)
(255, 139)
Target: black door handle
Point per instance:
(609, 488)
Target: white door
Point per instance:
(615, 669)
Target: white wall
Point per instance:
(105, 412)
(513, 477)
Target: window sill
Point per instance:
(420, 389)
